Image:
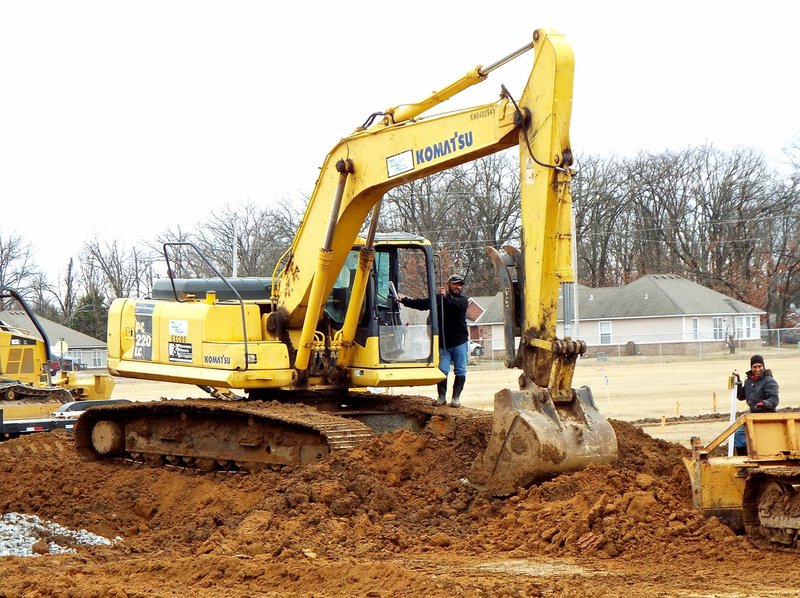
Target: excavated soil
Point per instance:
(391, 518)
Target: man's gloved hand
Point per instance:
(761, 405)
(738, 379)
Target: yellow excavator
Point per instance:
(288, 359)
(28, 393)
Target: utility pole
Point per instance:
(235, 260)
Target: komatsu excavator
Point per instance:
(327, 325)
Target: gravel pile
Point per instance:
(28, 535)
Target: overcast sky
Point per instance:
(122, 119)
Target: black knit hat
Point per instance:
(756, 359)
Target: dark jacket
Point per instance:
(452, 317)
(755, 391)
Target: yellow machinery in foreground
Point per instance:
(327, 323)
(757, 492)
(27, 390)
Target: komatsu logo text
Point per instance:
(453, 144)
(217, 359)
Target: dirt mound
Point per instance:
(365, 522)
(602, 512)
(637, 508)
(400, 491)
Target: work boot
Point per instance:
(458, 386)
(441, 387)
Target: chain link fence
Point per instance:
(665, 344)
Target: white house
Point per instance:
(658, 313)
(80, 348)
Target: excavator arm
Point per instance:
(546, 427)
(404, 146)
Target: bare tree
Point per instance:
(461, 210)
(781, 261)
(603, 222)
(43, 298)
(17, 267)
(489, 214)
(260, 236)
(115, 270)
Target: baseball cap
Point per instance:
(456, 278)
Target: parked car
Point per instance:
(475, 349)
(74, 409)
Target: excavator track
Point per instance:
(223, 436)
(14, 391)
(771, 508)
(209, 435)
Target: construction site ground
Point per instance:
(394, 516)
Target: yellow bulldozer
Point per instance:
(758, 492)
(27, 389)
(287, 359)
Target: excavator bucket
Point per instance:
(534, 438)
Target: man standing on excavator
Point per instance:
(453, 335)
(760, 390)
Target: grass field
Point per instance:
(636, 388)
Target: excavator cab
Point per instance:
(402, 266)
(404, 269)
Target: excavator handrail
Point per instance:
(220, 276)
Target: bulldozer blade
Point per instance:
(534, 438)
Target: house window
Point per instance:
(740, 329)
(719, 328)
(97, 358)
(605, 332)
(746, 327)
(696, 329)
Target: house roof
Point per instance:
(55, 332)
(654, 295)
(658, 295)
(493, 308)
